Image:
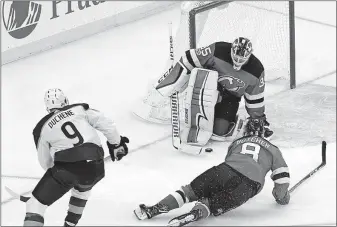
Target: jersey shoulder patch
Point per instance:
(222, 50)
(254, 66)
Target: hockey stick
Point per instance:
(174, 101)
(323, 163)
(175, 120)
(313, 171)
(106, 159)
(16, 195)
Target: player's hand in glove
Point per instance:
(285, 200)
(117, 152)
(268, 133)
(281, 194)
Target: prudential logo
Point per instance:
(20, 17)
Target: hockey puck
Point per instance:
(208, 150)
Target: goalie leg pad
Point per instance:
(193, 149)
(201, 97)
(174, 80)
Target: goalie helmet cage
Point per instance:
(291, 33)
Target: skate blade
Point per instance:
(182, 220)
(174, 223)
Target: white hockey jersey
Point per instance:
(69, 135)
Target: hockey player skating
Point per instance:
(70, 151)
(216, 77)
(232, 183)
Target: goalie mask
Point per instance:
(255, 127)
(54, 98)
(241, 50)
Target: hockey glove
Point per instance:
(285, 200)
(117, 152)
(267, 131)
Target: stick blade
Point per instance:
(16, 195)
(12, 193)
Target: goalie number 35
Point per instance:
(251, 149)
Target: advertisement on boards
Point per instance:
(24, 22)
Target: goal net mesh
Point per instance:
(265, 23)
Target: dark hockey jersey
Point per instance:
(254, 157)
(248, 82)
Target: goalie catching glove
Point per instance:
(117, 152)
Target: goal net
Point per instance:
(265, 23)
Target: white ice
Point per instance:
(109, 71)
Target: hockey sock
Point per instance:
(76, 207)
(33, 219)
(179, 198)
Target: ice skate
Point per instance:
(143, 212)
(185, 219)
(199, 211)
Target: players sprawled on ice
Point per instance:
(214, 79)
(230, 184)
(70, 151)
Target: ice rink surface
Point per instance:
(110, 71)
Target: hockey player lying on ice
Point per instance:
(216, 77)
(232, 183)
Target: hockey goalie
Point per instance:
(214, 79)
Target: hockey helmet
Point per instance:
(255, 127)
(54, 98)
(241, 50)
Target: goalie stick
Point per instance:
(323, 163)
(174, 100)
